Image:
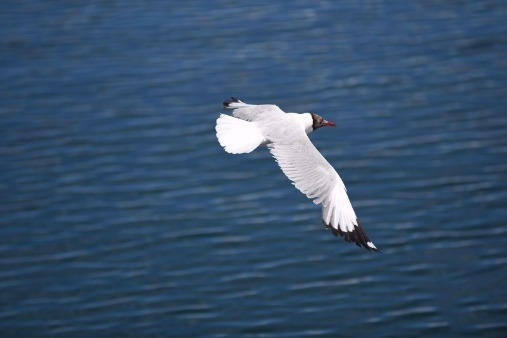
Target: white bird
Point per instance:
(285, 134)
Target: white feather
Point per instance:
(314, 176)
(237, 136)
(249, 112)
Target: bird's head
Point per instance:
(319, 121)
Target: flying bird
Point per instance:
(286, 136)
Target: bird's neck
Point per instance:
(304, 120)
(307, 122)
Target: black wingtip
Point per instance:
(358, 236)
(227, 102)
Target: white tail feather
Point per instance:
(237, 136)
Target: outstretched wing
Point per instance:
(251, 112)
(312, 174)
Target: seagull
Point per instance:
(286, 136)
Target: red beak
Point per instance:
(330, 124)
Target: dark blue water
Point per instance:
(122, 216)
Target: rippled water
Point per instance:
(122, 216)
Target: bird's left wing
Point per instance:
(251, 112)
(312, 174)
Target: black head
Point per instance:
(318, 121)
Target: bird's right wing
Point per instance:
(251, 112)
(312, 174)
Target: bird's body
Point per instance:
(285, 134)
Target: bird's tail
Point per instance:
(237, 136)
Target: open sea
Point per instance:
(121, 215)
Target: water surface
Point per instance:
(121, 215)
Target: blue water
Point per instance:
(122, 216)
